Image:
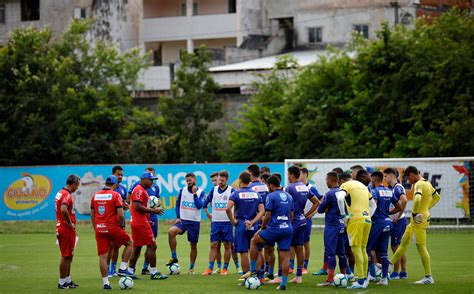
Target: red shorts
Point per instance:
(67, 240)
(142, 235)
(115, 235)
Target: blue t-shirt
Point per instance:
(398, 191)
(333, 216)
(300, 194)
(384, 197)
(246, 202)
(314, 191)
(280, 204)
(122, 191)
(261, 189)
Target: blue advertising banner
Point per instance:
(28, 192)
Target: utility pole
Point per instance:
(394, 4)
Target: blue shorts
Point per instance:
(379, 236)
(281, 236)
(192, 228)
(398, 229)
(307, 232)
(222, 232)
(298, 235)
(334, 240)
(243, 237)
(154, 226)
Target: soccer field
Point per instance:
(29, 261)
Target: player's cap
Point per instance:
(148, 175)
(111, 180)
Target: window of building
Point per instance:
(157, 57)
(2, 12)
(232, 6)
(183, 8)
(79, 12)
(195, 8)
(30, 10)
(362, 29)
(315, 35)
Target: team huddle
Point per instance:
(361, 217)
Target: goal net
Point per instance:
(452, 177)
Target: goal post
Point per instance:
(452, 177)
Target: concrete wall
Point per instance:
(161, 8)
(118, 21)
(170, 51)
(53, 13)
(206, 7)
(214, 26)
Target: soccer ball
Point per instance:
(125, 283)
(153, 201)
(378, 273)
(173, 269)
(252, 283)
(340, 280)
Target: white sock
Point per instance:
(68, 279)
(106, 280)
(62, 281)
(153, 270)
(131, 269)
(123, 265)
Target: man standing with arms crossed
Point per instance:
(360, 207)
(425, 197)
(108, 222)
(66, 230)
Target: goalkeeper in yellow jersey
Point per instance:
(354, 196)
(424, 198)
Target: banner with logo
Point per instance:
(451, 177)
(28, 192)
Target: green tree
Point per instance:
(250, 139)
(64, 99)
(407, 93)
(190, 110)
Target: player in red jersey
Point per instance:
(66, 230)
(108, 221)
(142, 233)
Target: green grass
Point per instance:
(29, 262)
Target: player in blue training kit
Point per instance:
(188, 219)
(276, 228)
(301, 195)
(261, 188)
(381, 225)
(309, 221)
(244, 210)
(399, 223)
(334, 230)
(221, 228)
(112, 258)
(154, 190)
